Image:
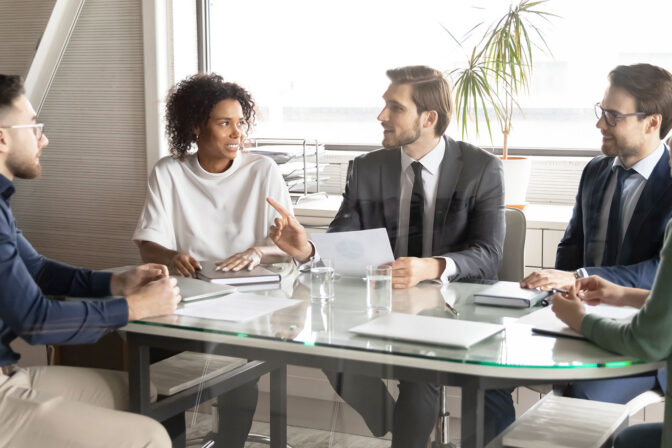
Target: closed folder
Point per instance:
(510, 294)
(258, 274)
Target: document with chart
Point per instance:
(351, 252)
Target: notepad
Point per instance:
(428, 329)
(194, 289)
(510, 294)
(235, 307)
(258, 274)
(187, 369)
(544, 321)
(562, 422)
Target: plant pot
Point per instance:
(516, 178)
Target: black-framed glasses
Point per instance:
(611, 117)
(38, 128)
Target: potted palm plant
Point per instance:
(497, 71)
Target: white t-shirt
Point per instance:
(211, 216)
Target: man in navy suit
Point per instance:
(622, 207)
(442, 204)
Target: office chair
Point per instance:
(511, 270)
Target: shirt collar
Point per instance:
(430, 161)
(6, 188)
(645, 166)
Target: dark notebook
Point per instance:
(242, 277)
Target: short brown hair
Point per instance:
(11, 87)
(652, 88)
(431, 91)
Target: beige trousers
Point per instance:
(58, 406)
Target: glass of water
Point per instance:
(378, 289)
(322, 280)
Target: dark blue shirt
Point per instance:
(26, 276)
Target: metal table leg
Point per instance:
(279, 407)
(473, 412)
(442, 432)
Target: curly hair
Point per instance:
(190, 102)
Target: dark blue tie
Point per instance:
(417, 213)
(612, 243)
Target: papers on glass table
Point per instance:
(351, 252)
(235, 307)
(544, 320)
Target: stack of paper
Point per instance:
(187, 369)
(237, 307)
(562, 422)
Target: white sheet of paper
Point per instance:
(235, 307)
(546, 321)
(351, 252)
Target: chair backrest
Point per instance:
(514, 246)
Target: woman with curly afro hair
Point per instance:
(207, 201)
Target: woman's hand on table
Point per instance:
(569, 308)
(246, 259)
(184, 265)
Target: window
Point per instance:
(317, 69)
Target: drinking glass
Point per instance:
(378, 289)
(322, 280)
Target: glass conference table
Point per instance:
(316, 335)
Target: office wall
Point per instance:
(84, 207)
(21, 25)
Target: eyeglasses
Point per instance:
(611, 117)
(38, 128)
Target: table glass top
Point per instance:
(311, 323)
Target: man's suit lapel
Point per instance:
(390, 187)
(654, 191)
(595, 198)
(451, 166)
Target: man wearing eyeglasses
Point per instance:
(622, 206)
(61, 406)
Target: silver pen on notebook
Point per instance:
(451, 309)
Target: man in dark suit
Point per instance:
(442, 204)
(622, 206)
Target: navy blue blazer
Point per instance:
(639, 255)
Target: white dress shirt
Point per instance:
(632, 190)
(431, 171)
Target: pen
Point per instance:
(547, 300)
(451, 309)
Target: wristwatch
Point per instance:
(579, 274)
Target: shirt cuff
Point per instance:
(116, 312)
(315, 257)
(449, 272)
(100, 284)
(582, 273)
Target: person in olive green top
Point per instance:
(648, 336)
